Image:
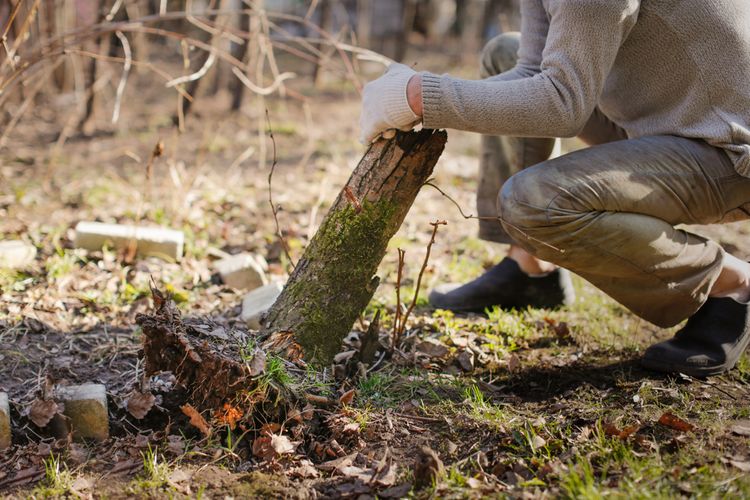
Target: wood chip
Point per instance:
(196, 419)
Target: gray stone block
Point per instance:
(4, 421)
(15, 254)
(150, 241)
(257, 302)
(243, 271)
(86, 411)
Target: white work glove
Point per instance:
(384, 104)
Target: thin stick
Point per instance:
(413, 304)
(280, 235)
(396, 337)
(125, 72)
(277, 83)
(498, 219)
(194, 76)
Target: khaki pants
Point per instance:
(608, 212)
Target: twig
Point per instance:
(124, 79)
(277, 83)
(274, 210)
(194, 76)
(396, 336)
(497, 218)
(405, 318)
(113, 11)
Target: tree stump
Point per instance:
(335, 279)
(330, 287)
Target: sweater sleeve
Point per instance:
(579, 50)
(534, 27)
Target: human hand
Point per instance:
(385, 105)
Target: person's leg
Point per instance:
(509, 283)
(502, 157)
(608, 214)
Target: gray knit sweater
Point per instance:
(654, 67)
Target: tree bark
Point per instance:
(334, 280)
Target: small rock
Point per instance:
(256, 303)
(243, 271)
(4, 421)
(15, 254)
(150, 241)
(432, 348)
(466, 361)
(428, 468)
(86, 410)
(741, 428)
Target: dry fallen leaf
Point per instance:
(399, 491)
(229, 415)
(305, 470)
(257, 365)
(432, 348)
(42, 411)
(385, 471)
(428, 468)
(347, 397)
(270, 428)
(611, 430)
(674, 422)
(196, 419)
(741, 465)
(741, 428)
(352, 471)
(139, 404)
(537, 442)
(514, 363)
(282, 445)
(262, 448)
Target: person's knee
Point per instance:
(500, 54)
(525, 200)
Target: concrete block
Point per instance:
(151, 241)
(86, 411)
(257, 302)
(243, 271)
(4, 421)
(15, 254)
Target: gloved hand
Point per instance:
(385, 105)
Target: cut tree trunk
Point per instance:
(330, 287)
(335, 279)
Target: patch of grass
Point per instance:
(14, 281)
(62, 263)
(580, 482)
(156, 470)
(376, 389)
(482, 410)
(58, 480)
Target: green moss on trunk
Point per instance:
(335, 278)
(347, 252)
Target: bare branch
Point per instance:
(124, 79)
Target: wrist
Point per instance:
(414, 94)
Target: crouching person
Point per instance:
(660, 94)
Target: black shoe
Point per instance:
(710, 343)
(507, 287)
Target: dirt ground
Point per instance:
(519, 404)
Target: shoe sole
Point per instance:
(693, 371)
